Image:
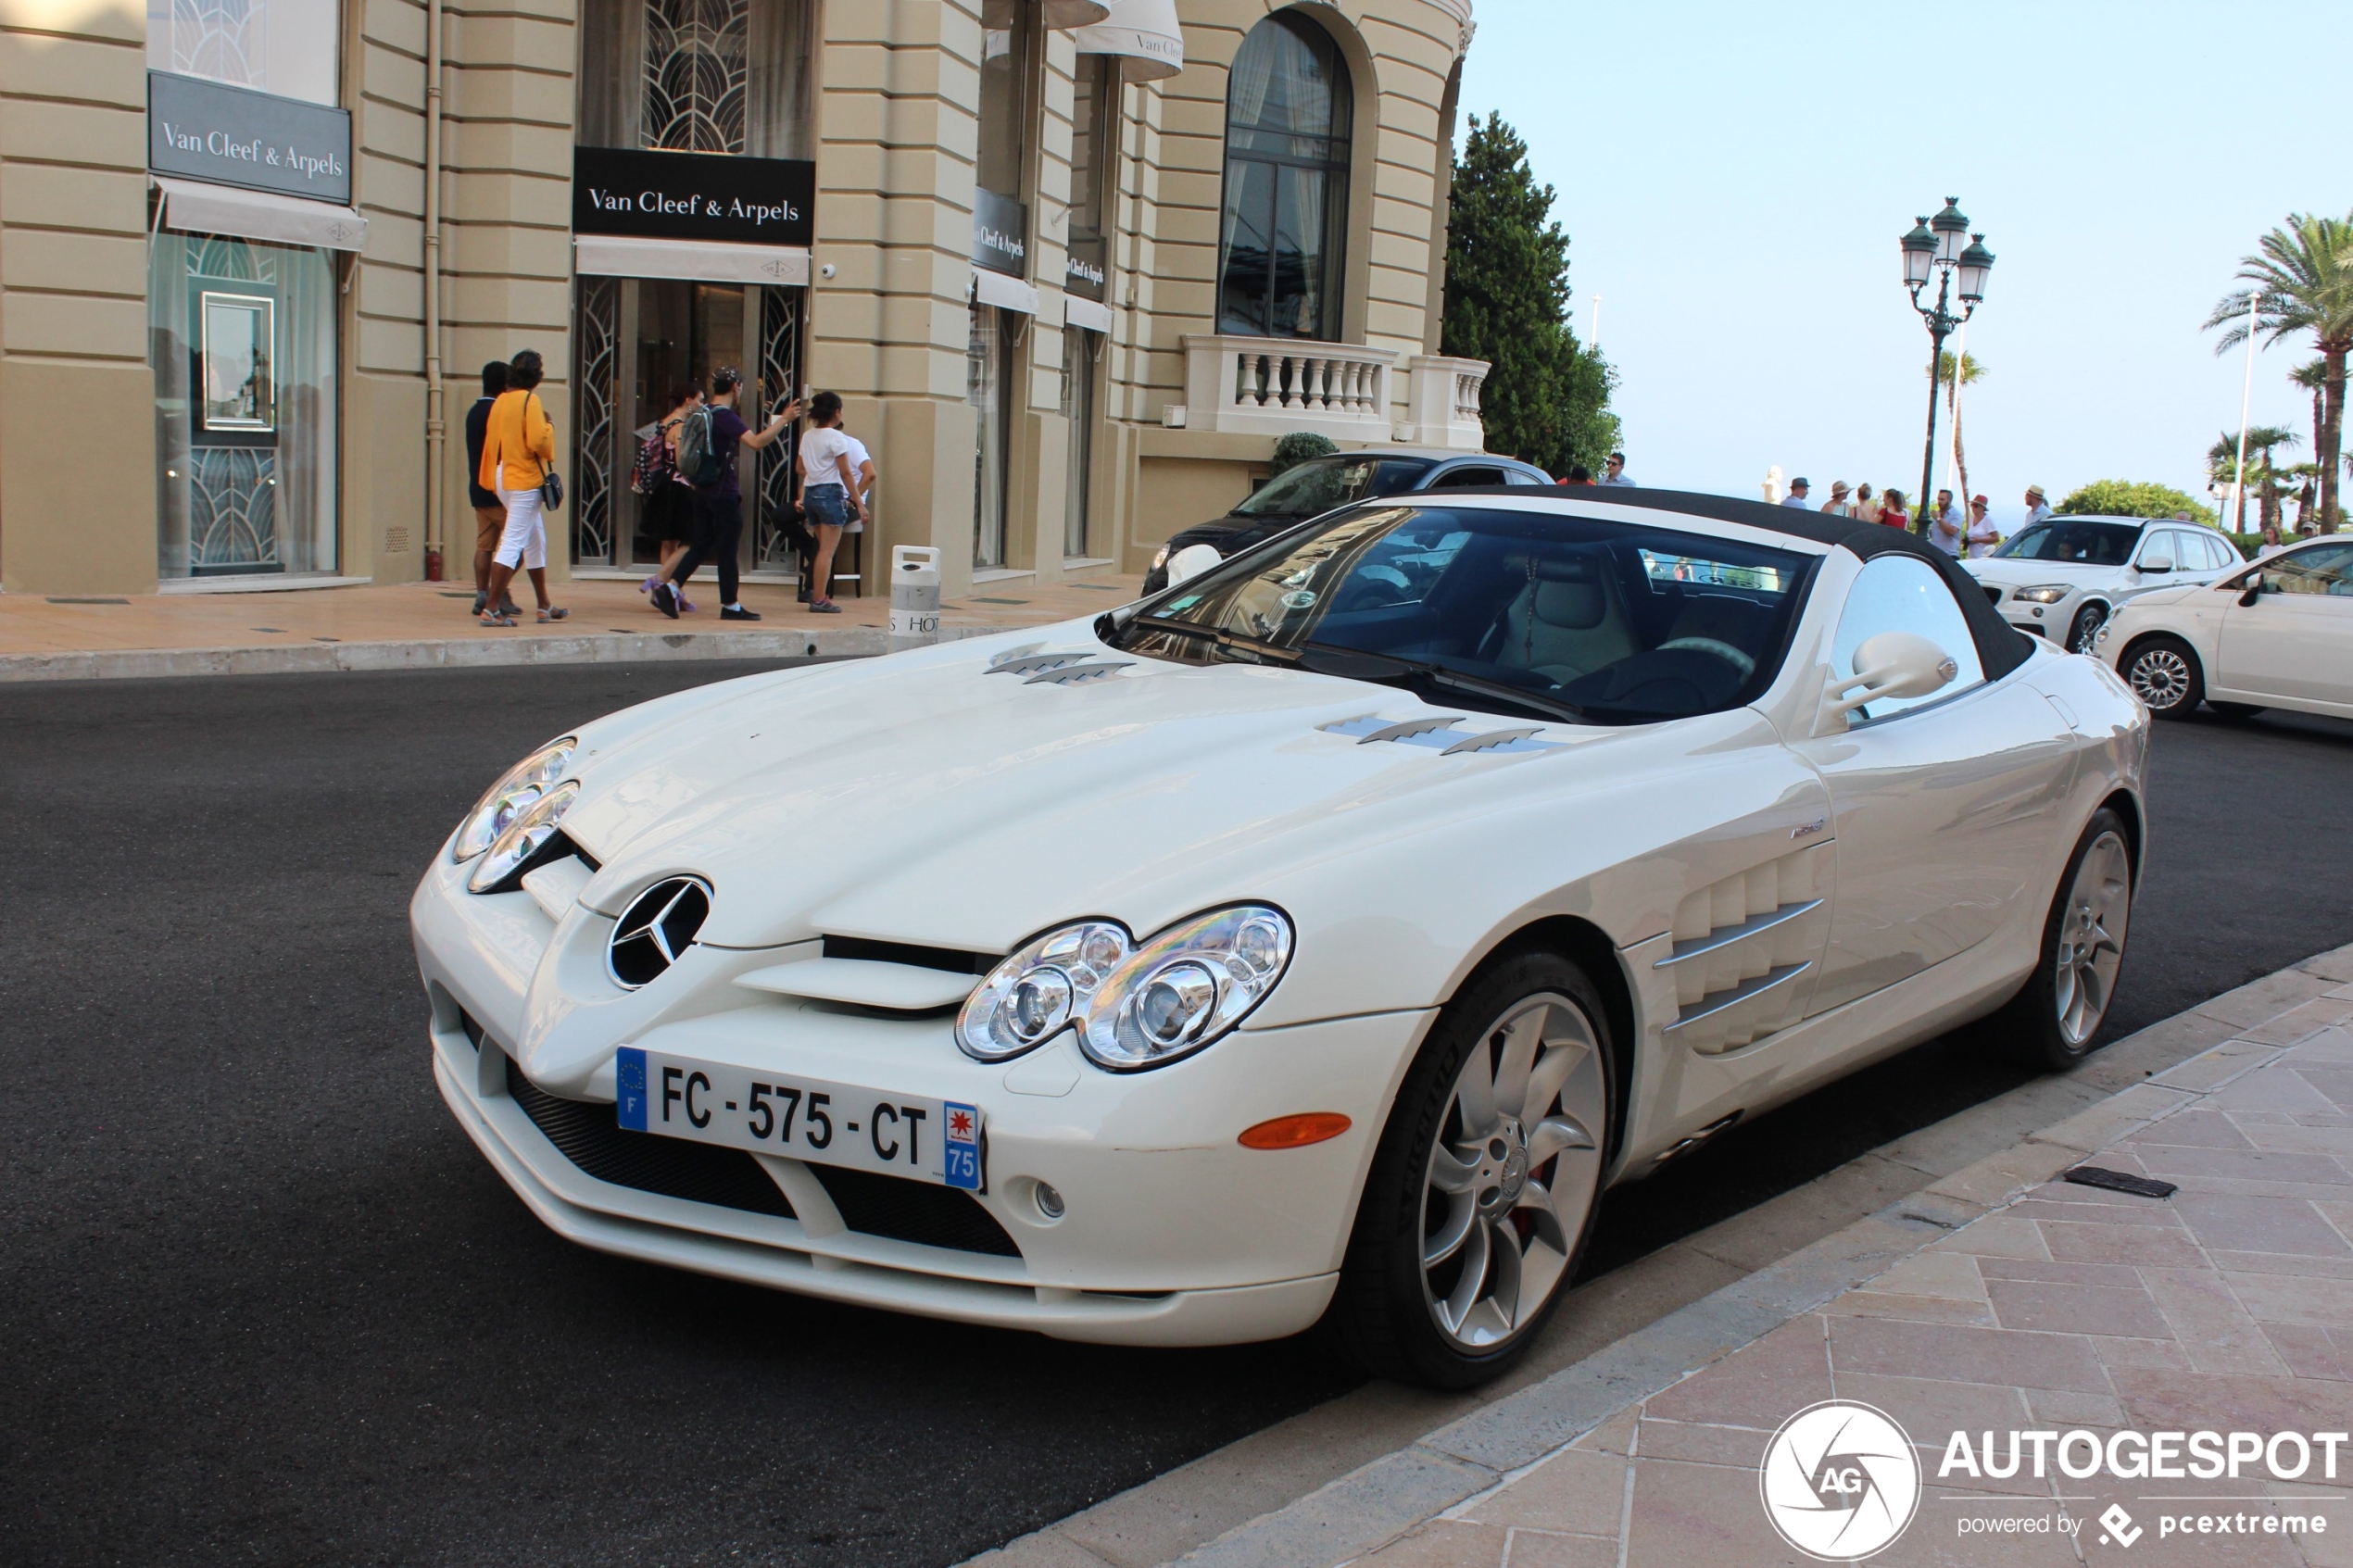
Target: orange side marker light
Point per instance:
(1295, 1132)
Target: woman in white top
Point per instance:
(829, 494)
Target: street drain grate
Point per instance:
(982, 599)
(57, 600)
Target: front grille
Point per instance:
(893, 1206)
(592, 1139)
(1992, 592)
(872, 1204)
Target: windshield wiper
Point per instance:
(1383, 668)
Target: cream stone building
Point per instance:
(1074, 266)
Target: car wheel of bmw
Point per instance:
(1486, 1182)
(2163, 673)
(2088, 621)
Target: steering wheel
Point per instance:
(1724, 651)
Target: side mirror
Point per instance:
(1191, 561)
(1893, 664)
(2250, 591)
(2157, 560)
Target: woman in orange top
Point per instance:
(517, 444)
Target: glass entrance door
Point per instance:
(642, 338)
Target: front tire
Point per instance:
(2164, 673)
(1485, 1185)
(2051, 1024)
(2088, 621)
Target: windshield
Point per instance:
(2066, 539)
(1321, 483)
(1505, 611)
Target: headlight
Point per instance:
(522, 838)
(2048, 594)
(510, 796)
(2099, 638)
(1159, 557)
(1134, 1006)
(1038, 989)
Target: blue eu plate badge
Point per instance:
(629, 1087)
(963, 1128)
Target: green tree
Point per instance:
(2264, 476)
(2124, 497)
(2305, 279)
(1546, 397)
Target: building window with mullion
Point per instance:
(1287, 131)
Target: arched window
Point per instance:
(1287, 122)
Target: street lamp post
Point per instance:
(1934, 247)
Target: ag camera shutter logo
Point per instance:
(1839, 1481)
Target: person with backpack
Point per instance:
(666, 512)
(518, 453)
(707, 444)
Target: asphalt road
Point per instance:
(263, 1303)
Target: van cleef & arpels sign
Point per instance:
(693, 197)
(199, 130)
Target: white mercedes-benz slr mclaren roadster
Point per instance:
(1312, 942)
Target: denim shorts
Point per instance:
(828, 506)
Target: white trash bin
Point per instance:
(914, 597)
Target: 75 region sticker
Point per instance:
(962, 1163)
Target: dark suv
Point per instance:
(1315, 486)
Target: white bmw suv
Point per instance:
(2063, 578)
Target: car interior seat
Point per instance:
(1566, 620)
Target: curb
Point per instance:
(314, 657)
(2163, 1068)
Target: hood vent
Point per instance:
(1440, 735)
(1053, 669)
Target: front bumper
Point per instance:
(2048, 621)
(1171, 1234)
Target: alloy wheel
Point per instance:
(1513, 1170)
(2161, 677)
(2088, 622)
(2090, 937)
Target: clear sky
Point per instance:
(1734, 178)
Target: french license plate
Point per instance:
(929, 1140)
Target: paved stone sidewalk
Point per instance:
(2227, 1308)
(412, 625)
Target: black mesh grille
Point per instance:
(905, 1211)
(699, 1172)
(1992, 593)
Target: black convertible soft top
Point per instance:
(2001, 648)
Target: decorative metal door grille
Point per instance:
(696, 64)
(233, 490)
(232, 508)
(779, 380)
(221, 39)
(600, 395)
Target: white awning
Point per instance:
(194, 207)
(1006, 294)
(1144, 33)
(701, 261)
(1053, 13)
(1087, 313)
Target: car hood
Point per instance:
(921, 798)
(2011, 573)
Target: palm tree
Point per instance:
(2261, 471)
(2305, 276)
(2313, 377)
(1971, 372)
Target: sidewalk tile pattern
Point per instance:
(2070, 1307)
